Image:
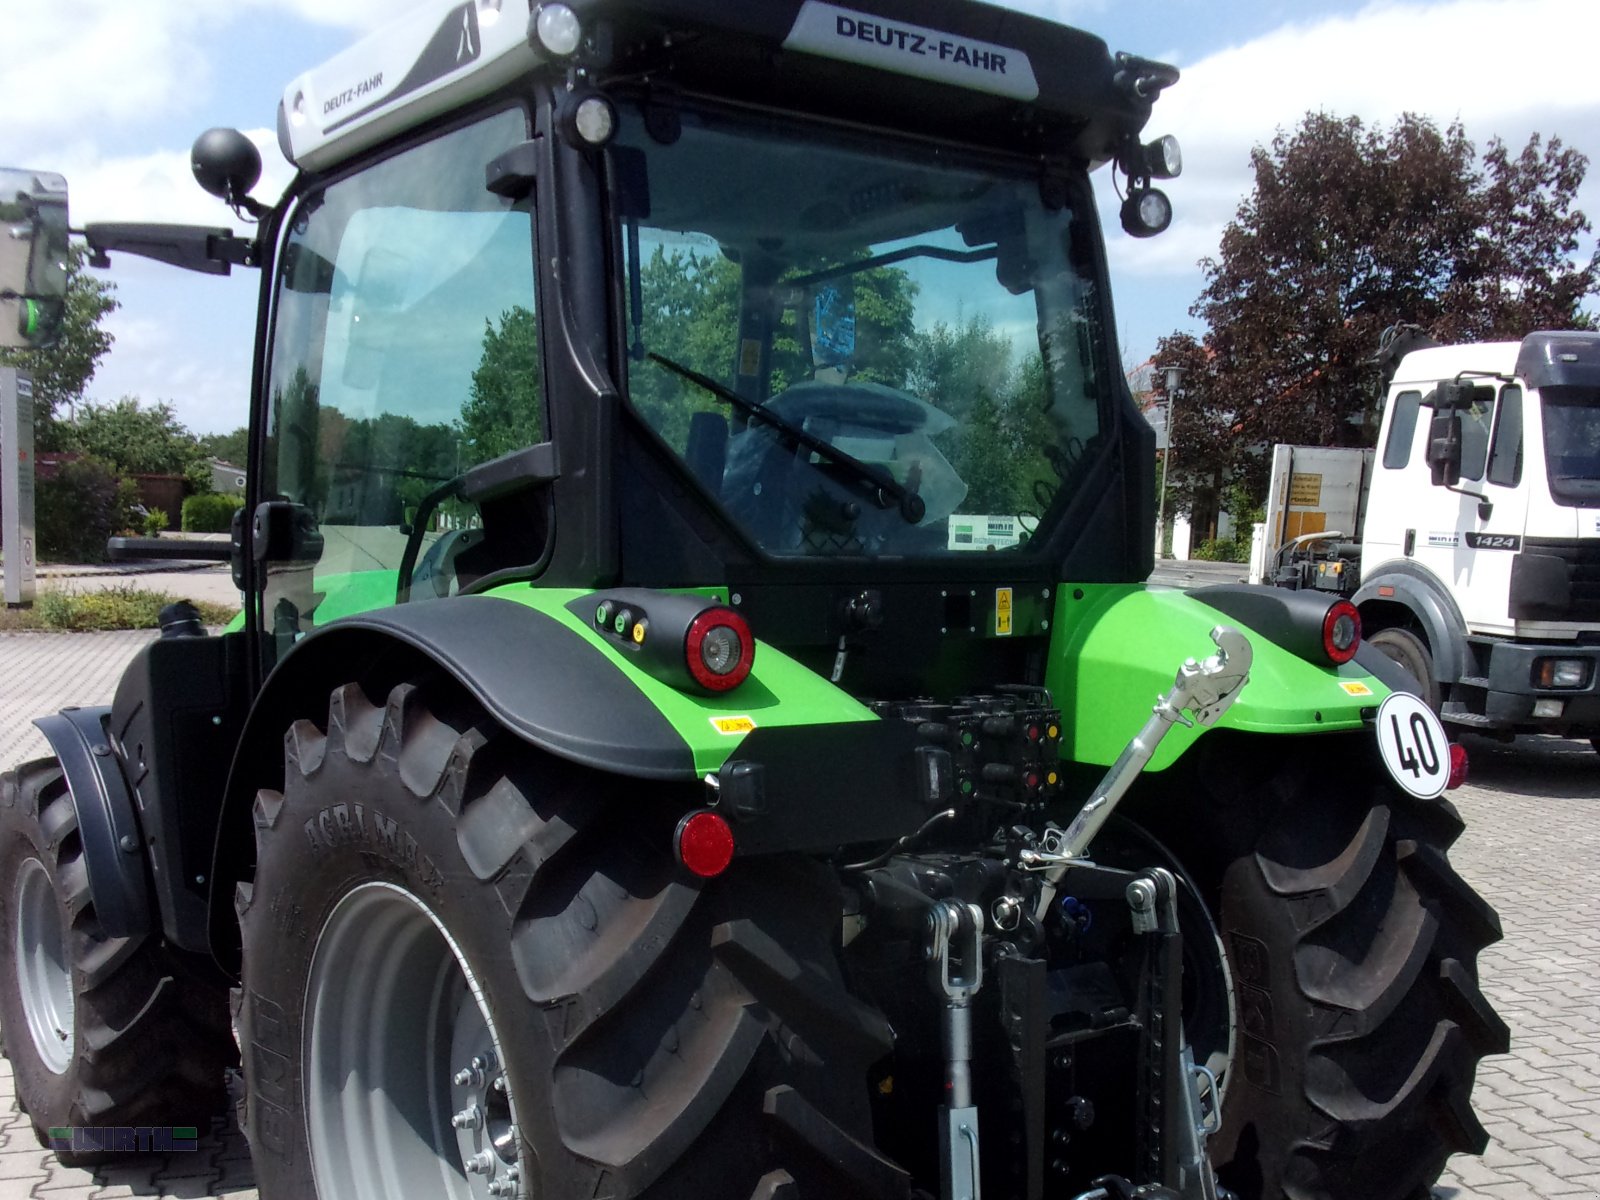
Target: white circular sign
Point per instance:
(1413, 744)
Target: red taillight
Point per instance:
(719, 650)
(1458, 766)
(1341, 632)
(704, 843)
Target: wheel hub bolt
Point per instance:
(474, 1073)
(470, 1117)
(481, 1163)
(499, 1084)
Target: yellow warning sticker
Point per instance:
(1352, 688)
(749, 357)
(732, 725)
(1002, 612)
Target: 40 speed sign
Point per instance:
(1413, 744)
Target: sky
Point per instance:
(111, 93)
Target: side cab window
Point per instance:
(1402, 431)
(1505, 451)
(404, 351)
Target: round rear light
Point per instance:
(1341, 632)
(719, 649)
(1458, 766)
(704, 843)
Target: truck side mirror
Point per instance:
(1444, 447)
(34, 257)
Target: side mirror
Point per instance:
(1444, 447)
(225, 163)
(34, 257)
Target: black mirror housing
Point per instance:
(1444, 447)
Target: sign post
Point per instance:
(16, 485)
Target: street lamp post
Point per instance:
(1173, 376)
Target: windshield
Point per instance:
(932, 324)
(1572, 444)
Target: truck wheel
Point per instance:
(1352, 946)
(101, 1032)
(1411, 653)
(472, 970)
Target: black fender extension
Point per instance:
(108, 822)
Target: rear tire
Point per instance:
(1352, 946)
(101, 1032)
(658, 1035)
(1411, 653)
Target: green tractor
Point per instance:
(698, 727)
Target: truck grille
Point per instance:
(1583, 569)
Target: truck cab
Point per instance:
(1478, 567)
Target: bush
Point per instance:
(155, 522)
(210, 513)
(124, 607)
(1223, 550)
(75, 512)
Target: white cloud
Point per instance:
(159, 186)
(1497, 65)
(99, 64)
(359, 15)
(78, 68)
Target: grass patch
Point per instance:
(121, 607)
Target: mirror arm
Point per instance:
(210, 251)
(1485, 505)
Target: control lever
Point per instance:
(1205, 690)
(955, 953)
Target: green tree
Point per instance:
(1348, 230)
(62, 372)
(505, 410)
(1001, 445)
(135, 440)
(690, 314)
(229, 447)
(1520, 273)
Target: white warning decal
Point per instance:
(849, 36)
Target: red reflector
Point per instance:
(704, 843)
(1341, 632)
(1458, 766)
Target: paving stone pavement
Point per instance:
(1532, 846)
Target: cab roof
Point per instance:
(952, 69)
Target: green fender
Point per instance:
(1116, 648)
(779, 691)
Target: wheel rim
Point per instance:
(405, 1093)
(44, 976)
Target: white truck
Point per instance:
(1469, 539)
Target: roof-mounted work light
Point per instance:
(1163, 158)
(1146, 211)
(557, 28)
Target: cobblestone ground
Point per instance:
(1532, 847)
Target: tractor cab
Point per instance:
(799, 297)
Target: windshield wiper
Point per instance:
(887, 493)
